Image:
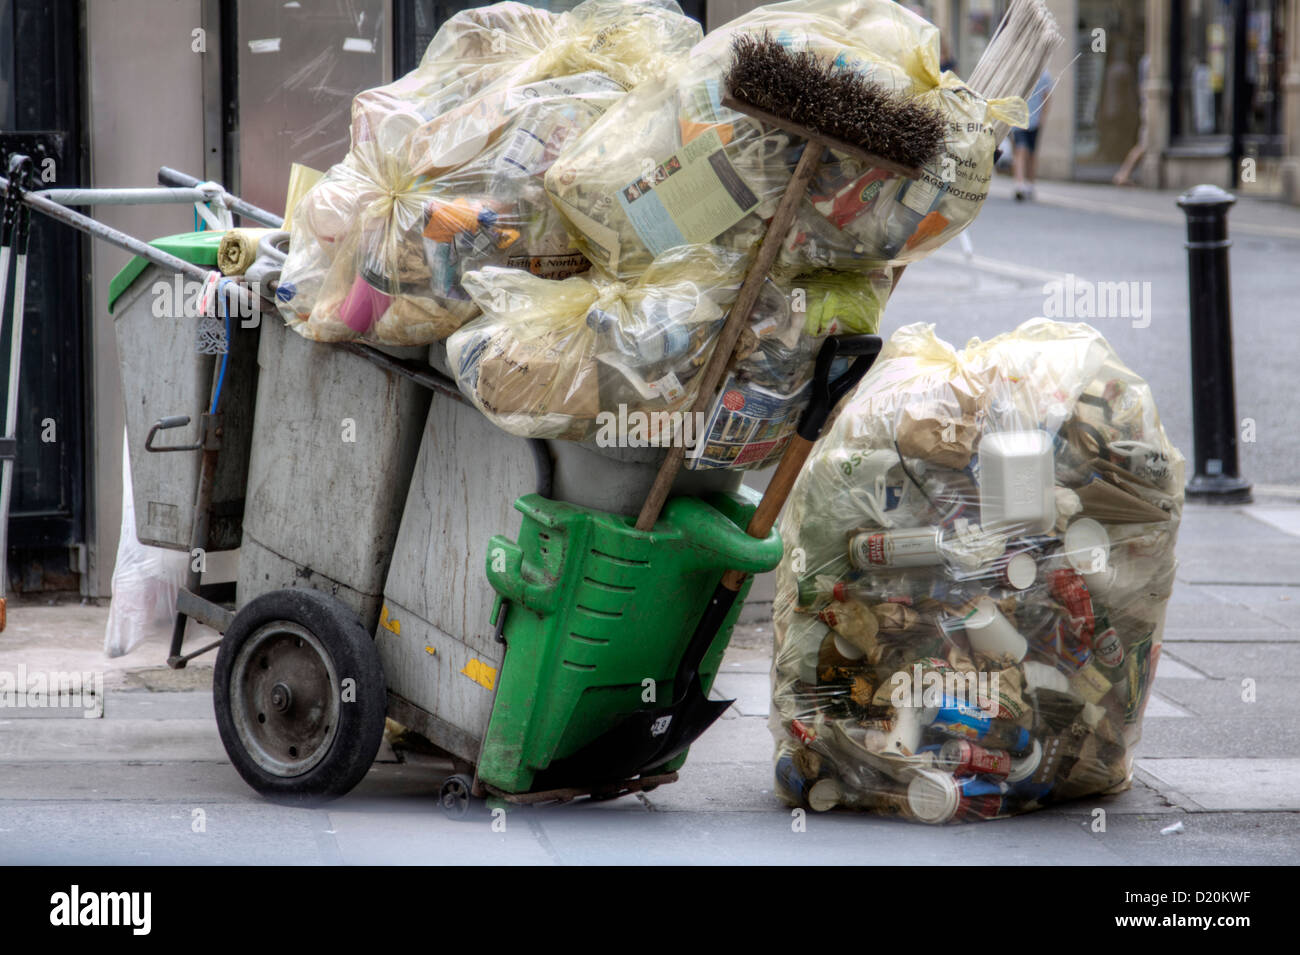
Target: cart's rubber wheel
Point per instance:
(456, 796)
(300, 696)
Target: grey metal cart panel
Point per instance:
(323, 512)
(437, 640)
(163, 374)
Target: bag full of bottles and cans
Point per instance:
(978, 558)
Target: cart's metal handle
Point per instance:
(174, 177)
(162, 424)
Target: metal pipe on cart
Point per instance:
(1217, 477)
(148, 195)
(93, 227)
(174, 177)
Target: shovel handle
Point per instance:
(827, 393)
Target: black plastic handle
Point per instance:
(826, 393)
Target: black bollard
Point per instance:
(1217, 478)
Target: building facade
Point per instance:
(1211, 87)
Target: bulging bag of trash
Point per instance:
(470, 51)
(758, 405)
(445, 171)
(590, 357)
(670, 164)
(978, 558)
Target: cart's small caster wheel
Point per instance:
(300, 696)
(456, 796)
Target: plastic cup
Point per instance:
(1100, 584)
(1087, 546)
(992, 634)
(824, 795)
(1020, 571)
(395, 127)
(933, 797)
(363, 305)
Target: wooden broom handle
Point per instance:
(774, 498)
(737, 319)
(778, 490)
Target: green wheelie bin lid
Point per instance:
(197, 248)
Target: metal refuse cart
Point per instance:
(370, 509)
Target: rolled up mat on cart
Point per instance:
(238, 249)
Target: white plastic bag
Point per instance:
(146, 581)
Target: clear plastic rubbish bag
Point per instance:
(978, 558)
(590, 357)
(670, 165)
(444, 175)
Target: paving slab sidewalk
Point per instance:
(1223, 762)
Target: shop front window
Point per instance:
(1226, 61)
(1109, 76)
(1262, 75)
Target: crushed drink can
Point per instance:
(905, 547)
(964, 758)
(959, 721)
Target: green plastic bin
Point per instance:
(597, 608)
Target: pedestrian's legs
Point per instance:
(1024, 162)
(1020, 164)
(1125, 175)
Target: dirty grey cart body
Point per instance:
(336, 440)
(165, 375)
(438, 602)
